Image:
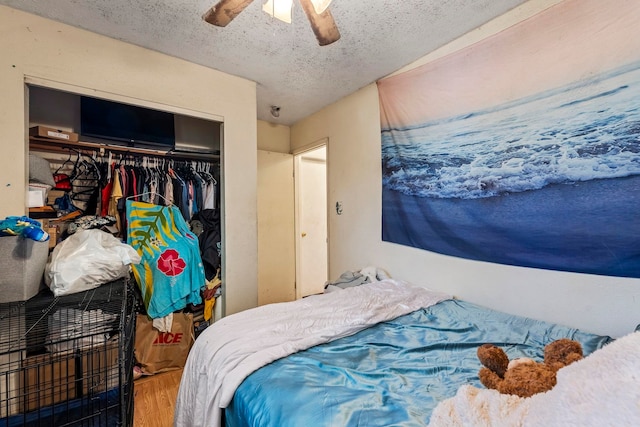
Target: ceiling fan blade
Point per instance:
(322, 24)
(224, 11)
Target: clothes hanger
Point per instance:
(64, 163)
(168, 203)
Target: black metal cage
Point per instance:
(68, 361)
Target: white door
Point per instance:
(311, 225)
(276, 233)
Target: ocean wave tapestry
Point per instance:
(524, 148)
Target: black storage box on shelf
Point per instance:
(68, 361)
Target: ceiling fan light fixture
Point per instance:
(279, 9)
(321, 20)
(320, 5)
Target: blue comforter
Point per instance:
(392, 374)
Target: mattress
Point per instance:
(391, 374)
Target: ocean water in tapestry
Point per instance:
(548, 179)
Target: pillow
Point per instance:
(40, 170)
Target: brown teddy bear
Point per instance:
(524, 377)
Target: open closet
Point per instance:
(120, 152)
(109, 153)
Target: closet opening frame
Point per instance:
(92, 92)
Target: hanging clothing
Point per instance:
(170, 274)
(210, 193)
(107, 188)
(210, 241)
(114, 199)
(100, 186)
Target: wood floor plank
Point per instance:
(155, 399)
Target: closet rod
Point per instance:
(58, 146)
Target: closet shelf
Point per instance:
(60, 146)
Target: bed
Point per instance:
(380, 354)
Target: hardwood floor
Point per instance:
(155, 398)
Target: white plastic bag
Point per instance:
(86, 260)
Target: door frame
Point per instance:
(297, 155)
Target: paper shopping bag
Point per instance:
(157, 351)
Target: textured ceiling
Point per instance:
(291, 70)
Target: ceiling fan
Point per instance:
(323, 25)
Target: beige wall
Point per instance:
(599, 304)
(276, 239)
(67, 58)
(273, 137)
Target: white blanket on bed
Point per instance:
(232, 348)
(600, 390)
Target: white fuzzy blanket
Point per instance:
(600, 390)
(232, 348)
